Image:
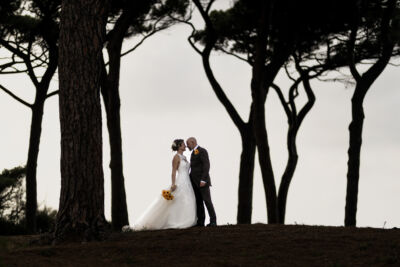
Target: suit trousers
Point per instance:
(203, 196)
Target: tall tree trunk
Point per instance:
(264, 158)
(354, 152)
(363, 84)
(81, 210)
(31, 165)
(260, 82)
(246, 171)
(119, 211)
(295, 120)
(112, 103)
(110, 92)
(288, 174)
(246, 176)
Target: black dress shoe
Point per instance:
(211, 225)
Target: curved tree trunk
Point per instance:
(295, 120)
(246, 176)
(288, 174)
(81, 210)
(246, 171)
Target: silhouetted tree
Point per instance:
(31, 41)
(283, 30)
(378, 43)
(246, 170)
(129, 19)
(82, 35)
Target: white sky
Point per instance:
(165, 95)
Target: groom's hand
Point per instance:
(202, 184)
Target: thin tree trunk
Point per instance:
(364, 82)
(246, 171)
(288, 174)
(264, 158)
(246, 176)
(354, 152)
(112, 103)
(295, 120)
(34, 139)
(119, 211)
(259, 87)
(31, 165)
(81, 210)
(110, 92)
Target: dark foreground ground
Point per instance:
(244, 245)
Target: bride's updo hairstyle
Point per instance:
(176, 144)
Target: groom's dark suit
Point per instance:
(199, 171)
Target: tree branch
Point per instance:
(283, 100)
(15, 97)
(52, 93)
(235, 55)
(352, 41)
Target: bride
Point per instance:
(179, 212)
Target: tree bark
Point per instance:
(81, 210)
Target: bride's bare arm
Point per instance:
(175, 166)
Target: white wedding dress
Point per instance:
(177, 213)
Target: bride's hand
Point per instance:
(173, 187)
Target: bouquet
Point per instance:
(167, 195)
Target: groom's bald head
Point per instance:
(191, 143)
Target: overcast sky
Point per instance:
(165, 95)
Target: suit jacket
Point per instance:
(200, 167)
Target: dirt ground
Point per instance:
(232, 245)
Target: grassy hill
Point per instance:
(232, 245)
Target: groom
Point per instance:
(199, 175)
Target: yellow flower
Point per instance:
(167, 194)
(196, 151)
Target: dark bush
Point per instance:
(10, 228)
